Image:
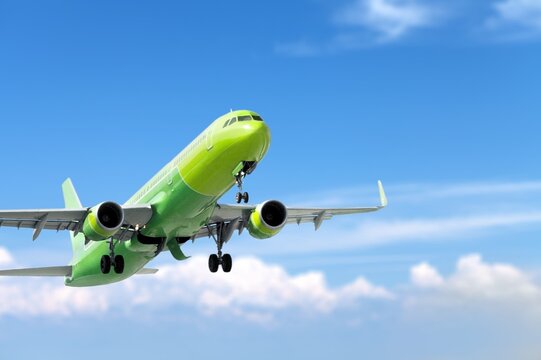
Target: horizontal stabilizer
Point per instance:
(44, 271)
(147, 271)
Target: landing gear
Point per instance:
(214, 263)
(112, 260)
(247, 168)
(227, 263)
(240, 197)
(118, 264)
(216, 260)
(225, 260)
(105, 264)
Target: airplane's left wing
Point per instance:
(70, 219)
(228, 218)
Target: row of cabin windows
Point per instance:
(175, 162)
(242, 118)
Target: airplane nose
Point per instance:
(257, 138)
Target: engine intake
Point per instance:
(103, 221)
(267, 219)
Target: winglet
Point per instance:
(382, 196)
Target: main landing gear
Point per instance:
(248, 168)
(215, 260)
(112, 260)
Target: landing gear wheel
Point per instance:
(245, 197)
(214, 263)
(105, 264)
(238, 197)
(119, 264)
(227, 263)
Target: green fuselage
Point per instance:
(183, 194)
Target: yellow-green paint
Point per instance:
(182, 194)
(93, 230)
(258, 229)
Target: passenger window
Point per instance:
(245, 118)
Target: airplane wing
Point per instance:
(236, 216)
(70, 219)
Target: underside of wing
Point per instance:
(43, 271)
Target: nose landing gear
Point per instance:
(247, 168)
(240, 197)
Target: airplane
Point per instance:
(112, 242)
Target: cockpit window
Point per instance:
(242, 118)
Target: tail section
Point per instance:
(71, 201)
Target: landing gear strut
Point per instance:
(247, 169)
(215, 260)
(112, 260)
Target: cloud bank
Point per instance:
(254, 291)
(476, 285)
(258, 292)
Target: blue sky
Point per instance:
(438, 99)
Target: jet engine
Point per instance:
(267, 219)
(103, 221)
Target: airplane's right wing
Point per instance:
(70, 219)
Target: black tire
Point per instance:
(119, 264)
(214, 263)
(238, 198)
(105, 264)
(246, 197)
(227, 263)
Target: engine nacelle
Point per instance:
(103, 221)
(267, 219)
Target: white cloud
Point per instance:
(522, 15)
(390, 19)
(425, 276)
(254, 291)
(477, 284)
(370, 233)
(380, 232)
(5, 257)
(366, 23)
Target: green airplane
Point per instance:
(112, 242)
